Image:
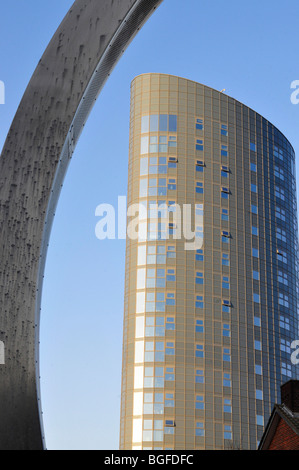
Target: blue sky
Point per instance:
(248, 48)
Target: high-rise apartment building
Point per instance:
(208, 320)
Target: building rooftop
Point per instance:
(288, 411)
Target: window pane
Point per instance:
(144, 124)
(144, 145)
(163, 123)
(172, 123)
(154, 123)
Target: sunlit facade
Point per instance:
(207, 328)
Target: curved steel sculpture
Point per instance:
(33, 163)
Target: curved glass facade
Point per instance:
(210, 290)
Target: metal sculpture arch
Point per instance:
(33, 163)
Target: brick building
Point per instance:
(282, 430)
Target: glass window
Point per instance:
(256, 298)
(169, 375)
(170, 275)
(141, 279)
(199, 187)
(170, 324)
(172, 184)
(252, 147)
(200, 166)
(253, 167)
(286, 369)
(283, 300)
(224, 130)
(144, 166)
(199, 124)
(143, 188)
(199, 430)
(199, 350)
(258, 369)
(225, 259)
(199, 209)
(285, 346)
(225, 282)
(172, 123)
(172, 162)
(199, 376)
(158, 409)
(169, 422)
(280, 213)
(226, 355)
(199, 256)
(283, 278)
(140, 302)
(163, 144)
(141, 255)
(199, 145)
(153, 146)
(224, 150)
(282, 256)
(199, 303)
(226, 306)
(255, 252)
(253, 188)
(278, 152)
(160, 330)
(227, 380)
(225, 236)
(170, 299)
(154, 120)
(256, 275)
(259, 420)
(226, 330)
(147, 436)
(169, 350)
(144, 124)
(254, 209)
(254, 231)
(227, 406)
(257, 321)
(144, 145)
(171, 252)
(199, 328)
(259, 394)
(163, 124)
(169, 400)
(279, 192)
(158, 437)
(172, 141)
(199, 402)
(281, 234)
(284, 322)
(199, 279)
(228, 432)
(279, 173)
(225, 215)
(225, 193)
